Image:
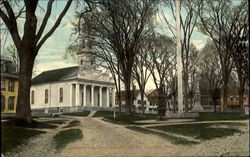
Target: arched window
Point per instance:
(81, 61)
(46, 96)
(32, 97)
(2, 103)
(61, 95)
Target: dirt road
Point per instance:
(102, 138)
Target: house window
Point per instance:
(139, 101)
(61, 94)
(11, 103)
(2, 85)
(32, 97)
(11, 86)
(245, 98)
(231, 98)
(2, 103)
(46, 96)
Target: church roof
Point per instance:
(55, 75)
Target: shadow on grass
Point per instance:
(80, 114)
(34, 124)
(55, 121)
(211, 116)
(172, 139)
(73, 123)
(14, 135)
(201, 130)
(64, 137)
(124, 119)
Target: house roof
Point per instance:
(55, 75)
(136, 93)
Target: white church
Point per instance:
(81, 87)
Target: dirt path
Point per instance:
(106, 139)
(102, 138)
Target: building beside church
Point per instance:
(9, 87)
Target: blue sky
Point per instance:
(51, 53)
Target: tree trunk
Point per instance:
(214, 102)
(185, 81)
(23, 111)
(225, 95)
(128, 95)
(241, 99)
(142, 101)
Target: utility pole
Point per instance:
(179, 62)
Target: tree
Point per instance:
(188, 20)
(217, 20)
(160, 62)
(239, 37)
(121, 25)
(28, 44)
(140, 71)
(210, 71)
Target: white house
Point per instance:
(73, 88)
(137, 101)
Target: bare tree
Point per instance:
(121, 25)
(140, 71)
(217, 20)
(188, 19)
(28, 44)
(239, 39)
(210, 71)
(160, 62)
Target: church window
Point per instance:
(81, 61)
(32, 97)
(46, 96)
(61, 94)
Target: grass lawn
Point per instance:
(73, 123)
(123, 118)
(60, 121)
(64, 137)
(15, 133)
(211, 116)
(80, 114)
(172, 139)
(201, 130)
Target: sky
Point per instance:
(51, 53)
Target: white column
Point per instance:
(179, 62)
(84, 95)
(92, 95)
(71, 95)
(100, 96)
(107, 96)
(77, 94)
(113, 97)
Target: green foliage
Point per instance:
(64, 137)
(199, 130)
(13, 135)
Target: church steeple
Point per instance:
(85, 57)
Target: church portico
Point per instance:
(84, 94)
